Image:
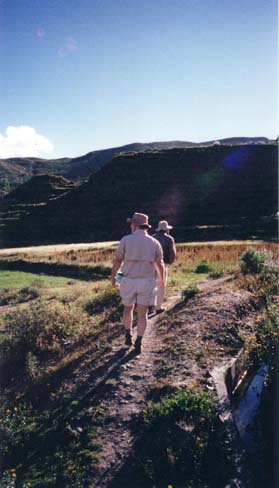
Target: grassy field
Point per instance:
(21, 279)
(56, 344)
(54, 267)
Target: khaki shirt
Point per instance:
(138, 252)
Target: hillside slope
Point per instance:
(40, 189)
(16, 171)
(211, 192)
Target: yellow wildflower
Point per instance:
(16, 409)
(8, 410)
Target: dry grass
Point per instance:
(226, 252)
(58, 250)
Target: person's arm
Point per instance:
(115, 267)
(117, 260)
(172, 254)
(159, 265)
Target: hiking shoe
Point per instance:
(128, 339)
(138, 345)
(160, 310)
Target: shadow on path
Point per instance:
(86, 273)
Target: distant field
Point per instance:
(58, 265)
(96, 251)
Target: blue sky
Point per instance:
(81, 75)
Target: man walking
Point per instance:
(141, 257)
(169, 252)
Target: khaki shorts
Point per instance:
(138, 290)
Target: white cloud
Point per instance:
(23, 141)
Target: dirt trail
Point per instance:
(180, 347)
(135, 376)
(56, 248)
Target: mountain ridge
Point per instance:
(208, 193)
(16, 171)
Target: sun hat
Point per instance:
(163, 225)
(139, 219)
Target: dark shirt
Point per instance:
(168, 246)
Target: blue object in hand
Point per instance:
(118, 277)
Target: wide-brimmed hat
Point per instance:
(139, 219)
(163, 225)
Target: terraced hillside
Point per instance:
(16, 171)
(40, 189)
(216, 192)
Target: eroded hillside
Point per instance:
(211, 192)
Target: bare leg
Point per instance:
(128, 317)
(142, 319)
(162, 291)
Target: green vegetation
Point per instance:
(203, 267)
(265, 350)
(189, 292)
(48, 423)
(260, 278)
(12, 297)
(61, 344)
(39, 331)
(179, 443)
(181, 276)
(105, 299)
(21, 279)
(255, 261)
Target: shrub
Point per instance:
(179, 441)
(107, 301)
(32, 365)
(214, 275)
(189, 292)
(12, 297)
(40, 329)
(256, 261)
(203, 267)
(8, 480)
(28, 293)
(12, 420)
(194, 407)
(266, 342)
(264, 286)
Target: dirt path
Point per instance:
(56, 248)
(180, 348)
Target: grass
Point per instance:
(178, 446)
(53, 413)
(181, 277)
(48, 421)
(21, 279)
